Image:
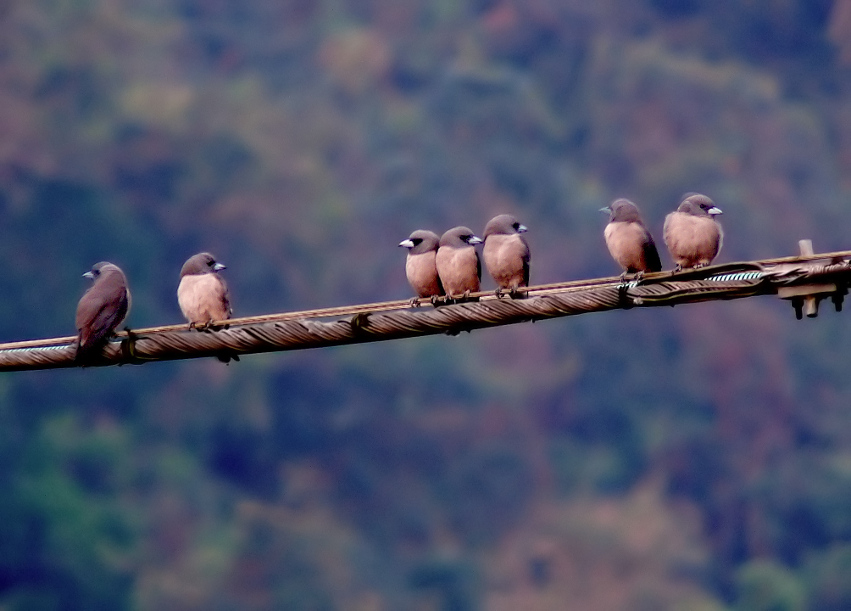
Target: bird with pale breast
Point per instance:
(458, 264)
(202, 293)
(421, 264)
(628, 239)
(506, 254)
(100, 311)
(692, 234)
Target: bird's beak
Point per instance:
(522, 228)
(89, 275)
(606, 209)
(714, 210)
(218, 267)
(474, 240)
(407, 243)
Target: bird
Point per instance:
(692, 234)
(506, 254)
(458, 264)
(101, 309)
(420, 265)
(202, 293)
(628, 239)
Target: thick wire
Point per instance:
(397, 319)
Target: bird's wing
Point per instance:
(651, 255)
(225, 297)
(100, 312)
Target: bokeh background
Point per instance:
(695, 458)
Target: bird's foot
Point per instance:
(517, 292)
(128, 349)
(437, 299)
(128, 346)
(498, 292)
(210, 326)
(414, 302)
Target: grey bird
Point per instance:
(458, 264)
(421, 265)
(202, 293)
(101, 309)
(628, 239)
(692, 234)
(506, 254)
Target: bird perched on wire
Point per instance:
(692, 234)
(421, 265)
(458, 264)
(101, 309)
(506, 254)
(202, 293)
(628, 239)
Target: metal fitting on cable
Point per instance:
(805, 298)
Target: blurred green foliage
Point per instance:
(698, 458)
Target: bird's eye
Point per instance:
(417, 241)
(516, 226)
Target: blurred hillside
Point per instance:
(697, 458)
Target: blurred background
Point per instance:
(694, 458)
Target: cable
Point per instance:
(397, 319)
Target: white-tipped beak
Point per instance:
(219, 266)
(714, 210)
(89, 275)
(474, 240)
(522, 228)
(607, 210)
(406, 243)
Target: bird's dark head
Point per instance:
(104, 267)
(622, 211)
(202, 263)
(421, 241)
(458, 237)
(699, 205)
(504, 224)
